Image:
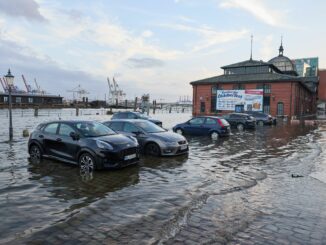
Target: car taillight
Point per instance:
(219, 121)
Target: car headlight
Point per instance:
(103, 145)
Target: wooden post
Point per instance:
(77, 111)
(36, 112)
(126, 104)
(170, 109)
(135, 105)
(154, 106)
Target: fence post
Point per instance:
(77, 111)
(36, 112)
(135, 105)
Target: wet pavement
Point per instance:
(236, 190)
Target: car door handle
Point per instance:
(59, 139)
(41, 136)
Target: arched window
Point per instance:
(280, 109)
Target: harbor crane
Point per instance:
(4, 85)
(28, 87)
(116, 95)
(78, 93)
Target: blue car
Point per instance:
(204, 125)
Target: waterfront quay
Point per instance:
(263, 186)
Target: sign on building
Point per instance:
(252, 99)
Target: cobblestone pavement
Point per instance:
(248, 197)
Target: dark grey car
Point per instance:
(152, 139)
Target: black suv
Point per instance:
(240, 120)
(262, 118)
(135, 115)
(89, 144)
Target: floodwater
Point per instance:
(221, 190)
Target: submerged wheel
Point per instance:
(260, 123)
(179, 131)
(86, 163)
(153, 149)
(215, 135)
(240, 127)
(35, 152)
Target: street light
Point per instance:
(10, 82)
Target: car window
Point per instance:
(149, 127)
(51, 128)
(65, 130)
(93, 129)
(131, 116)
(210, 121)
(234, 116)
(116, 126)
(129, 128)
(197, 121)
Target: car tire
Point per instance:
(86, 162)
(153, 149)
(214, 135)
(260, 123)
(35, 152)
(240, 127)
(179, 131)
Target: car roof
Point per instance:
(237, 113)
(69, 121)
(217, 117)
(127, 120)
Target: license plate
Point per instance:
(130, 156)
(183, 147)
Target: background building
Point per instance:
(307, 67)
(285, 93)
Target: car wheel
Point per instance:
(215, 135)
(240, 127)
(179, 131)
(86, 163)
(260, 123)
(35, 152)
(153, 149)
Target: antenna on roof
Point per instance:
(251, 47)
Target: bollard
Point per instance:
(25, 132)
(36, 112)
(135, 104)
(170, 109)
(77, 111)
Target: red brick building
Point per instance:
(322, 85)
(285, 93)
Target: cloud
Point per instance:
(28, 9)
(147, 34)
(208, 36)
(259, 10)
(144, 62)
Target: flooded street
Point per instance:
(236, 190)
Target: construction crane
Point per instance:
(115, 93)
(28, 87)
(4, 85)
(79, 91)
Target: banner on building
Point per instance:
(252, 99)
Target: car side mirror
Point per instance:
(74, 136)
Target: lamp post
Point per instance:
(10, 82)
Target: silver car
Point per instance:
(152, 139)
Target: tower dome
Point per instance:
(283, 63)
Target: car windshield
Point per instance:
(149, 127)
(142, 116)
(93, 129)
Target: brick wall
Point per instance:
(322, 85)
(296, 99)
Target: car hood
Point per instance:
(168, 136)
(117, 140)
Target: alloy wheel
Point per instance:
(86, 163)
(35, 152)
(240, 127)
(153, 149)
(214, 135)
